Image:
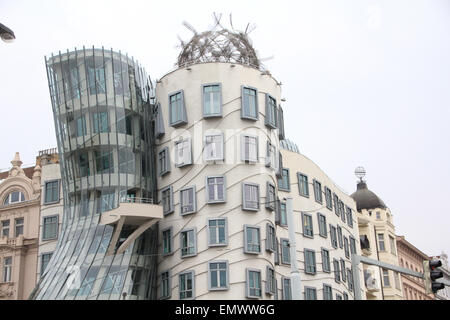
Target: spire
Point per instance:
(16, 162)
(16, 168)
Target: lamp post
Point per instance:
(6, 34)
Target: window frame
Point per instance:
(282, 186)
(17, 234)
(349, 213)
(192, 272)
(57, 190)
(305, 182)
(304, 227)
(249, 160)
(283, 257)
(247, 283)
(227, 274)
(166, 170)
(187, 230)
(271, 241)
(340, 237)
(171, 251)
(209, 232)
(381, 241)
(333, 236)
(217, 156)
(328, 198)
(169, 285)
(244, 202)
(323, 232)
(246, 116)
(57, 227)
(324, 269)
(208, 200)
(42, 261)
(317, 186)
(283, 288)
(311, 263)
(270, 281)
(183, 119)
(271, 205)
(346, 248)
(178, 163)
(352, 242)
(337, 270)
(308, 290)
(212, 115)
(247, 226)
(268, 121)
(194, 200)
(171, 208)
(329, 296)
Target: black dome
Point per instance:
(366, 199)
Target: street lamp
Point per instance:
(6, 34)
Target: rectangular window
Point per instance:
(167, 241)
(45, 258)
(349, 217)
(333, 236)
(310, 261)
(337, 272)
(163, 161)
(343, 270)
(19, 226)
(188, 200)
(212, 100)
(50, 228)
(271, 156)
(310, 293)
(285, 253)
(352, 245)
(340, 239)
(336, 204)
(270, 280)
(188, 242)
(217, 232)
(346, 248)
(218, 275)
(249, 148)
(215, 189)
(253, 283)
(81, 126)
(183, 153)
(187, 285)
(96, 79)
(381, 246)
(270, 197)
(52, 191)
(100, 122)
(271, 112)
(167, 200)
(106, 201)
(386, 281)
(325, 260)
(327, 292)
(177, 109)
(392, 243)
(127, 161)
(397, 281)
(283, 214)
(252, 239)
(5, 228)
(83, 164)
(284, 183)
(341, 210)
(166, 290)
(213, 147)
(7, 269)
(124, 124)
(317, 191)
(286, 287)
(104, 161)
(350, 280)
(303, 187)
(271, 241)
(307, 225)
(322, 225)
(249, 107)
(250, 196)
(328, 199)
(378, 214)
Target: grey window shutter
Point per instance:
(268, 154)
(183, 104)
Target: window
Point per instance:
(177, 109)
(81, 126)
(100, 122)
(14, 197)
(333, 236)
(45, 258)
(186, 285)
(343, 270)
(5, 228)
(167, 241)
(397, 281)
(183, 154)
(336, 204)
(281, 134)
(270, 280)
(352, 245)
(339, 233)
(286, 288)
(249, 148)
(325, 260)
(322, 225)
(252, 239)
(104, 161)
(310, 293)
(317, 191)
(166, 290)
(345, 296)
(106, 201)
(277, 252)
(327, 292)
(217, 232)
(163, 161)
(52, 191)
(249, 107)
(215, 189)
(271, 241)
(386, 281)
(19, 226)
(213, 147)
(250, 196)
(271, 156)
(283, 214)
(378, 215)
(341, 210)
(346, 248)
(188, 200)
(96, 78)
(83, 164)
(284, 183)
(285, 253)
(303, 187)
(381, 246)
(7, 268)
(271, 112)
(212, 100)
(337, 273)
(124, 123)
(188, 242)
(167, 200)
(253, 283)
(310, 261)
(270, 197)
(349, 217)
(50, 228)
(307, 225)
(392, 243)
(218, 275)
(350, 280)
(328, 200)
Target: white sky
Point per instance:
(366, 83)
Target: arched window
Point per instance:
(14, 197)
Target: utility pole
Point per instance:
(295, 274)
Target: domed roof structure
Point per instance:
(366, 199)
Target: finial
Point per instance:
(16, 162)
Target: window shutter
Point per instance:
(268, 154)
(183, 107)
(267, 118)
(267, 237)
(243, 155)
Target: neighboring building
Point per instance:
(443, 294)
(19, 221)
(412, 258)
(378, 241)
(51, 207)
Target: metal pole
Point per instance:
(295, 274)
(356, 280)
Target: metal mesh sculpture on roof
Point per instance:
(218, 44)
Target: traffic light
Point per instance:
(431, 273)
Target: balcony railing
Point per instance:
(131, 199)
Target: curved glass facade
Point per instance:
(103, 115)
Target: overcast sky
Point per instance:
(367, 83)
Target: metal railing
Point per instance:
(129, 199)
(48, 151)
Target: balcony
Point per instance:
(365, 245)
